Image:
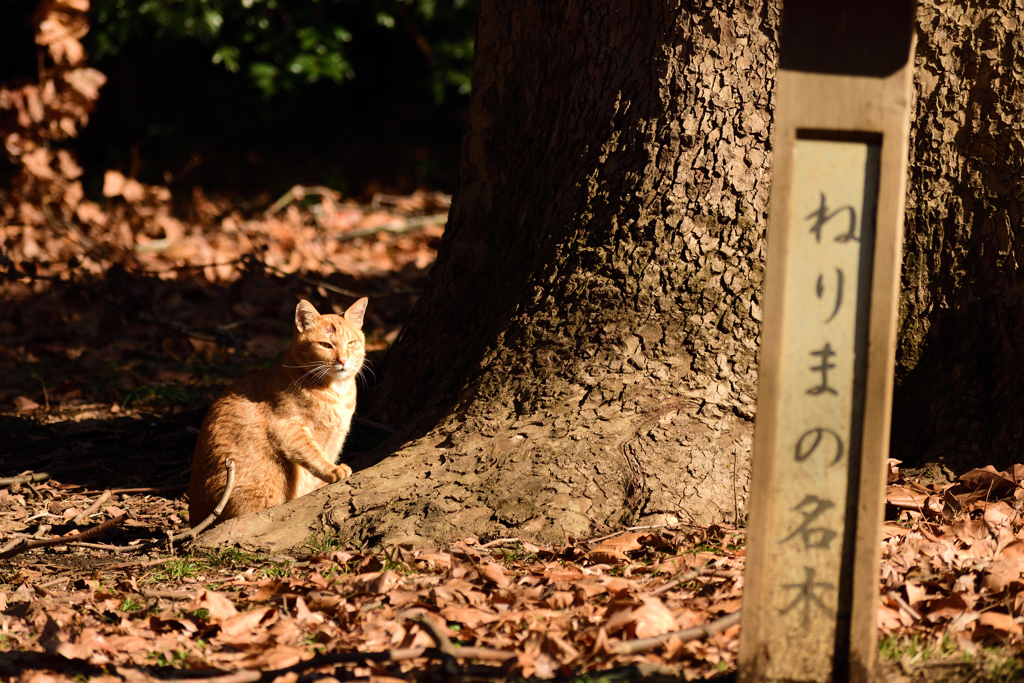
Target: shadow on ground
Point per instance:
(104, 381)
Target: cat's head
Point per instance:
(328, 347)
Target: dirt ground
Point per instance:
(112, 345)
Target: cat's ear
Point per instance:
(355, 312)
(305, 316)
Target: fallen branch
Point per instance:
(709, 572)
(511, 540)
(147, 563)
(170, 595)
(895, 597)
(25, 478)
(103, 546)
(23, 544)
(632, 647)
(242, 676)
(395, 227)
(20, 545)
(143, 489)
(196, 530)
(80, 518)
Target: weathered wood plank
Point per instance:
(827, 346)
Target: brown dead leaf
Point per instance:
(113, 183)
(24, 404)
(133, 191)
(76, 5)
(560, 600)
(915, 592)
(468, 616)
(999, 513)
(38, 164)
(127, 643)
(653, 619)
(987, 480)
(246, 621)
(69, 168)
(495, 573)
(375, 582)
(1000, 622)
(946, 607)
(436, 560)
(907, 496)
(614, 549)
(1000, 574)
(86, 81)
(304, 616)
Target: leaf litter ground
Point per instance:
(116, 338)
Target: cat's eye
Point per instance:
(327, 345)
(352, 344)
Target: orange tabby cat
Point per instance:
(283, 427)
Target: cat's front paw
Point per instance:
(342, 471)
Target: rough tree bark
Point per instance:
(961, 378)
(585, 355)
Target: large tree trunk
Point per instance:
(961, 392)
(585, 354)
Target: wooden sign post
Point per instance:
(828, 341)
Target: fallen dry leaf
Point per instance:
(614, 549)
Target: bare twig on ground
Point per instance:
(147, 563)
(630, 529)
(170, 595)
(501, 541)
(447, 648)
(33, 489)
(25, 478)
(632, 647)
(195, 531)
(299, 192)
(230, 484)
(708, 572)
(104, 546)
(395, 227)
(381, 198)
(905, 605)
(80, 518)
(23, 544)
(243, 676)
(144, 489)
(383, 657)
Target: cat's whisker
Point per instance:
(312, 376)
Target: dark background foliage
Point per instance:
(242, 95)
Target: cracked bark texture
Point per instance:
(960, 376)
(584, 356)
